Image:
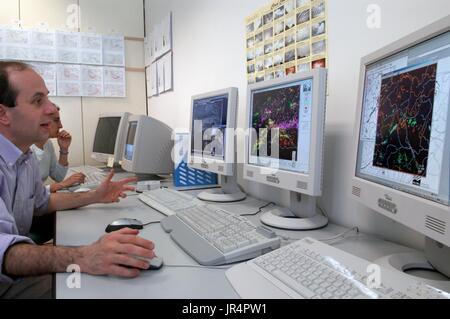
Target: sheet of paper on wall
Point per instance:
(92, 81)
(91, 48)
(153, 79)
(42, 46)
(68, 80)
(2, 51)
(114, 82)
(167, 63)
(166, 28)
(114, 50)
(48, 72)
(68, 45)
(160, 75)
(147, 57)
(16, 44)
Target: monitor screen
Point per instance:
(209, 117)
(281, 126)
(105, 135)
(404, 136)
(129, 144)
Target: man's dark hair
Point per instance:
(8, 94)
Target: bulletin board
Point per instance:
(284, 37)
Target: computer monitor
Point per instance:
(402, 148)
(285, 123)
(109, 137)
(148, 147)
(212, 128)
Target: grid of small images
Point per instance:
(287, 36)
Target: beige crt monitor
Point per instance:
(402, 137)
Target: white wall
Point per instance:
(79, 115)
(209, 53)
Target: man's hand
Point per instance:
(64, 140)
(77, 178)
(116, 254)
(110, 192)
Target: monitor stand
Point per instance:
(229, 191)
(302, 214)
(432, 268)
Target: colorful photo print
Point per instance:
(268, 48)
(303, 34)
(268, 33)
(268, 76)
(267, 18)
(257, 23)
(251, 68)
(259, 78)
(278, 43)
(290, 22)
(289, 39)
(289, 56)
(318, 10)
(258, 38)
(321, 63)
(303, 67)
(279, 27)
(303, 51)
(303, 16)
(250, 42)
(250, 55)
(319, 47)
(251, 79)
(301, 3)
(289, 6)
(268, 62)
(250, 27)
(279, 73)
(318, 28)
(259, 51)
(259, 66)
(278, 13)
(290, 70)
(278, 59)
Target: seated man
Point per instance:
(45, 154)
(25, 268)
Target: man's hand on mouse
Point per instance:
(113, 254)
(110, 192)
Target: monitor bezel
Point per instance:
(214, 165)
(127, 164)
(429, 215)
(311, 183)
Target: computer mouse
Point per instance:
(82, 190)
(122, 223)
(155, 263)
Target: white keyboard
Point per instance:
(94, 176)
(310, 269)
(167, 201)
(213, 236)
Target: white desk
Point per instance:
(85, 225)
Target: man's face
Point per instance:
(31, 117)
(55, 125)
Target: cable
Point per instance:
(198, 266)
(322, 211)
(153, 222)
(356, 229)
(259, 209)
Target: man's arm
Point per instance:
(112, 254)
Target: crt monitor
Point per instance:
(212, 144)
(402, 147)
(148, 147)
(285, 124)
(109, 137)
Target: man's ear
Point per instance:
(4, 115)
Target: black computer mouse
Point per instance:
(124, 223)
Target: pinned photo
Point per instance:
(267, 18)
(303, 51)
(318, 10)
(279, 27)
(259, 66)
(251, 68)
(268, 62)
(268, 48)
(289, 56)
(259, 51)
(250, 55)
(251, 79)
(278, 59)
(268, 76)
(289, 39)
(258, 37)
(250, 42)
(250, 27)
(278, 44)
(258, 23)
(303, 67)
(289, 6)
(268, 33)
(290, 70)
(278, 13)
(259, 78)
(319, 64)
(303, 16)
(303, 34)
(279, 73)
(318, 28)
(301, 3)
(290, 22)
(319, 47)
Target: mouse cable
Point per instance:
(259, 209)
(154, 222)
